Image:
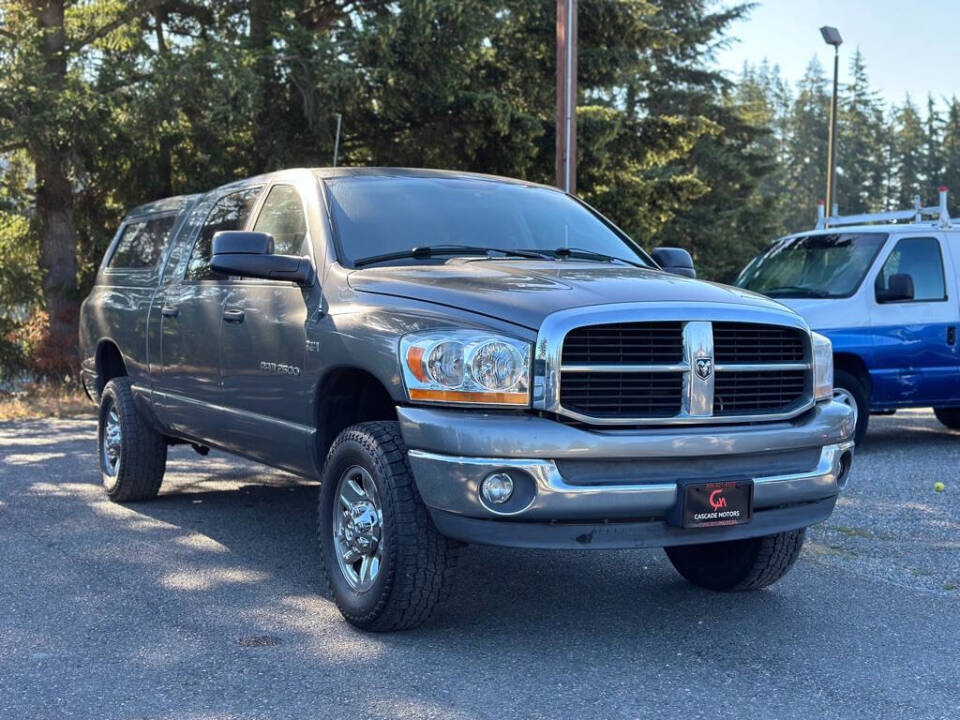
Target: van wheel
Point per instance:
(950, 417)
(383, 560)
(749, 564)
(133, 456)
(849, 389)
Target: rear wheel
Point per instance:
(950, 417)
(133, 456)
(384, 562)
(850, 390)
(749, 564)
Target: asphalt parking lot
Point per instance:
(204, 604)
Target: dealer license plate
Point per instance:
(715, 504)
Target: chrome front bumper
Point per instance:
(451, 452)
(452, 484)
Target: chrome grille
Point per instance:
(756, 343)
(617, 394)
(684, 371)
(748, 392)
(625, 343)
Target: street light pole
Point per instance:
(566, 163)
(832, 37)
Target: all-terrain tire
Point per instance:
(750, 564)
(949, 417)
(843, 380)
(416, 569)
(142, 450)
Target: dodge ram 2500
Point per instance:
(460, 359)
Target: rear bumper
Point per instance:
(616, 487)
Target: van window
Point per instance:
(229, 213)
(918, 257)
(282, 217)
(142, 243)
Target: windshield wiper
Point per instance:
(788, 290)
(429, 251)
(582, 254)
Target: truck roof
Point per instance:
(170, 204)
(331, 172)
(180, 202)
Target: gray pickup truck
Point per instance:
(461, 359)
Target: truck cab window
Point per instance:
(142, 243)
(918, 257)
(282, 217)
(229, 213)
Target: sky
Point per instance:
(908, 46)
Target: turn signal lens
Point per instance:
(415, 363)
(822, 367)
(466, 366)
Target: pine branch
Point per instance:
(135, 10)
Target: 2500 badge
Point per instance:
(272, 368)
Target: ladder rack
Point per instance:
(916, 215)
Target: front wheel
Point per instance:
(750, 564)
(384, 562)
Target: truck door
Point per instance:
(263, 347)
(916, 350)
(187, 388)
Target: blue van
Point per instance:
(884, 289)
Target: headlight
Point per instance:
(466, 366)
(822, 367)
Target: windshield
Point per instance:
(819, 266)
(377, 215)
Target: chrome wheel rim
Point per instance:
(111, 443)
(358, 528)
(842, 395)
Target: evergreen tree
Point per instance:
(807, 148)
(932, 151)
(909, 147)
(859, 154)
(731, 160)
(951, 154)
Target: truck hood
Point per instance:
(526, 291)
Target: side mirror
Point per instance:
(250, 254)
(674, 260)
(899, 289)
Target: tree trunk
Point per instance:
(58, 246)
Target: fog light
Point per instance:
(497, 488)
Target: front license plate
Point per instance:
(718, 503)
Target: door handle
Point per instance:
(951, 335)
(169, 311)
(233, 315)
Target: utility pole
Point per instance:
(566, 165)
(336, 142)
(831, 36)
